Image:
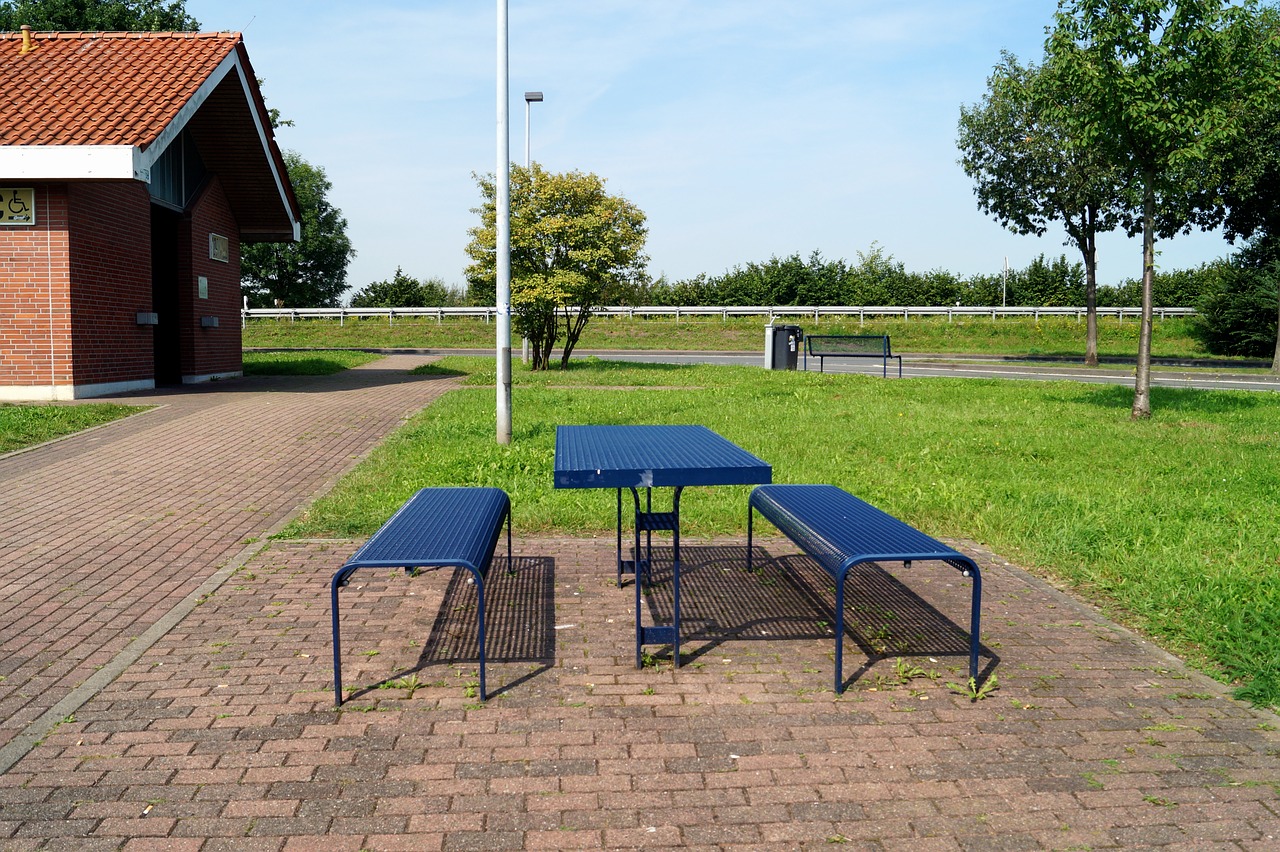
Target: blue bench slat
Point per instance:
(842, 529)
(841, 532)
(436, 527)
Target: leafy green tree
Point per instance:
(97, 15)
(1252, 197)
(404, 291)
(1045, 284)
(311, 273)
(1239, 316)
(1028, 171)
(573, 247)
(1156, 86)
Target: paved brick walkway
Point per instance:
(222, 734)
(105, 533)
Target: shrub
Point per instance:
(404, 291)
(1238, 314)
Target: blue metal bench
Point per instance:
(841, 532)
(435, 528)
(823, 346)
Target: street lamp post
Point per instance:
(529, 98)
(502, 204)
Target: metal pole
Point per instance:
(529, 98)
(502, 201)
(1004, 284)
(524, 341)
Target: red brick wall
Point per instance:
(209, 351)
(110, 281)
(35, 314)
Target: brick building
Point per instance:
(132, 168)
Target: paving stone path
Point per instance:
(221, 734)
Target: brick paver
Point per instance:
(222, 735)
(104, 533)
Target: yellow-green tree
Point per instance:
(573, 246)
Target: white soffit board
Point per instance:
(69, 162)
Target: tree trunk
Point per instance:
(1275, 361)
(1090, 291)
(1142, 383)
(545, 352)
(573, 326)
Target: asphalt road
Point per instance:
(959, 367)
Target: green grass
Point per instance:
(973, 335)
(311, 363)
(27, 425)
(1169, 523)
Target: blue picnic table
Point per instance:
(648, 457)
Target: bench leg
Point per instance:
(339, 580)
(484, 692)
(840, 634)
(975, 627)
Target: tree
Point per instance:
(1027, 171)
(1156, 86)
(573, 246)
(1252, 197)
(1239, 315)
(404, 291)
(97, 15)
(311, 273)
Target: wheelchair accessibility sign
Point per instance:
(17, 206)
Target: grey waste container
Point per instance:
(787, 340)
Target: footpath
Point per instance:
(167, 678)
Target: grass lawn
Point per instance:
(972, 335)
(1170, 523)
(311, 363)
(27, 425)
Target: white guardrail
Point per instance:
(861, 312)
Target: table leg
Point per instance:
(619, 538)
(649, 521)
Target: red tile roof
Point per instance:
(102, 88)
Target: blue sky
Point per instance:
(743, 128)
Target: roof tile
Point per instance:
(101, 88)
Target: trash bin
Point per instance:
(783, 345)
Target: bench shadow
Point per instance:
(519, 621)
(792, 597)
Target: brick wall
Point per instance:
(211, 351)
(110, 281)
(35, 313)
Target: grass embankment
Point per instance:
(28, 425)
(972, 335)
(1169, 523)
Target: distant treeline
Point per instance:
(877, 279)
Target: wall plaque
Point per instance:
(17, 206)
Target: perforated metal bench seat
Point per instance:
(841, 532)
(435, 528)
(823, 346)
